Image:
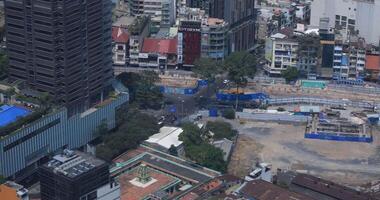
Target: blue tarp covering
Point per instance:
(242, 97)
(187, 91)
(9, 114)
(329, 136)
(213, 112)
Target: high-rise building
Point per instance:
(214, 38)
(240, 15)
(77, 176)
(62, 48)
(165, 10)
(349, 16)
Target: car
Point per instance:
(226, 81)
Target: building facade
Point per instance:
(77, 176)
(189, 36)
(280, 53)
(165, 10)
(240, 15)
(349, 16)
(61, 47)
(53, 132)
(214, 38)
(120, 47)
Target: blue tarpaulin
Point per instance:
(9, 114)
(329, 136)
(241, 97)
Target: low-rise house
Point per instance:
(372, 66)
(120, 50)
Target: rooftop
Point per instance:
(161, 46)
(327, 187)
(73, 163)
(166, 137)
(10, 113)
(132, 191)
(120, 35)
(164, 162)
(372, 62)
(259, 189)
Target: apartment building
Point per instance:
(280, 53)
(62, 48)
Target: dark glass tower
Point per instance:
(62, 47)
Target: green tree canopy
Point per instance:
(206, 68)
(290, 74)
(142, 88)
(221, 129)
(137, 128)
(199, 150)
(240, 66)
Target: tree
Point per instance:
(130, 133)
(142, 88)
(206, 68)
(198, 149)
(290, 74)
(229, 113)
(239, 67)
(221, 130)
(173, 150)
(191, 134)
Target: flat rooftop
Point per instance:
(10, 113)
(73, 163)
(327, 187)
(131, 191)
(166, 163)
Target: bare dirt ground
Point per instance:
(284, 146)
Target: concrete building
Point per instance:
(302, 12)
(189, 36)
(280, 53)
(120, 48)
(13, 191)
(164, 10)
(158, 53)
(75, 175)
(147, 173)
(240, 15)
(33, 142)
(351, 16)
(167, 137)
(62, 48)
(138, 31)
(214, 38)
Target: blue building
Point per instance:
(22, 151)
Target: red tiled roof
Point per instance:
(120, 35)
(372, 62)
(162, 46)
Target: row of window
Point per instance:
(31, 135)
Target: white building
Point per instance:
(120, 49)
(164, 10)
(350, 15)
(280, 53)
(167, 137)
